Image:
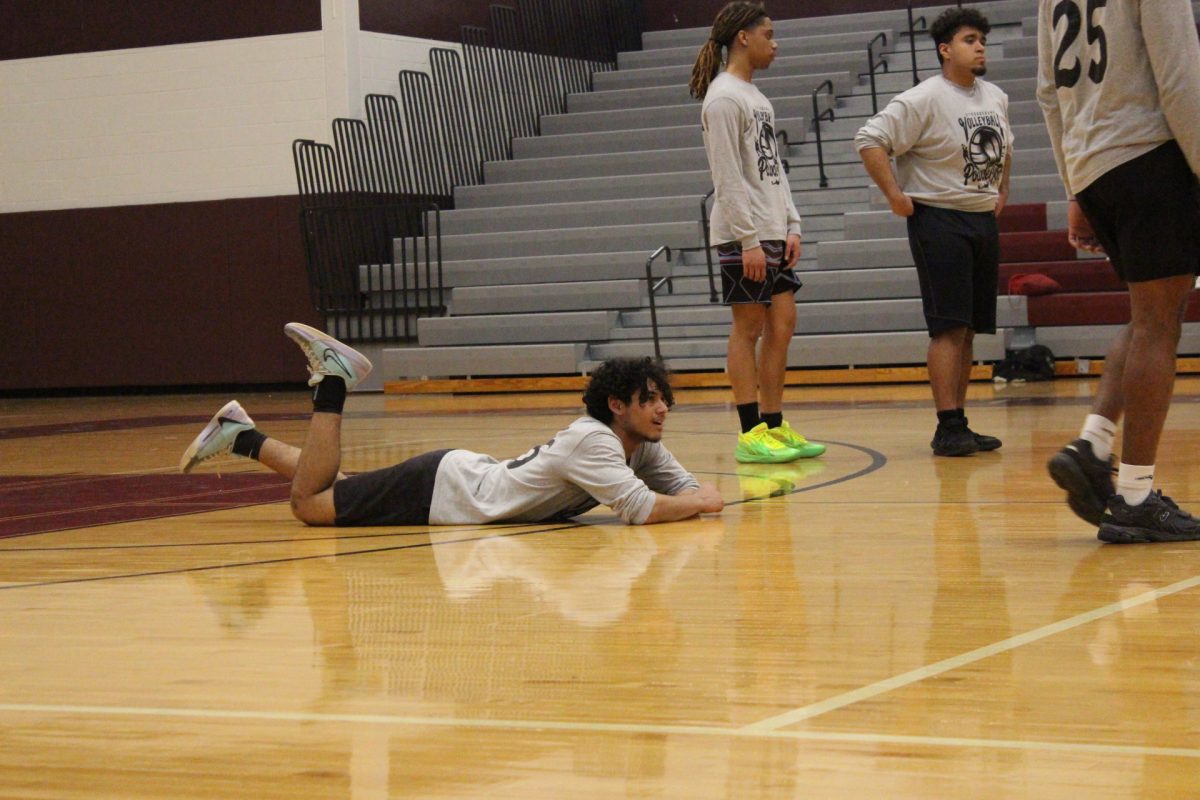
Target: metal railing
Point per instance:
(872, 65)
(653, 288)
(819, 115)
(373, 268)
(912, 38)
(383, 176)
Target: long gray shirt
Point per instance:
(950, 143)
(582, 467)
(752, 202)
(1117, 85)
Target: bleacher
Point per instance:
(546, 260)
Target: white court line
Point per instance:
(931, 670)
(598, 727)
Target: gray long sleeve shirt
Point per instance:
(950, 143)
(582, 467)
(1117, 85)
(753, 202)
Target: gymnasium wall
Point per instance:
(147, 192)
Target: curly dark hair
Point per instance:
(950, 21)
(620, 378)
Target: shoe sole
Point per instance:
(1116, 534)
(303, 334)
(1082, 499)
(956, 453)
(989, 448)
(766, 459)
(189, 461)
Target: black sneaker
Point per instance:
(953, 438)
(984, 441)
(1086, 479)
(1157, 519)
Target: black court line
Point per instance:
(270, 561)
(878, 460)
(244, 542)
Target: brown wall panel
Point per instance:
(673, 14)
(423, 19)
(156, 295)
(33, 28)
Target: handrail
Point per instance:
(872, 66)
(819, 115)
(912, 38)
(712, 280)
(654, 287)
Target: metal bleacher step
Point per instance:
(560, 358)
(674, 95)
(640, 139)
(612, 238)
(529, 328)
(801, 43)
(523, 298)
(817, 350)
(660, 117)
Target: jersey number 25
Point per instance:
(1065, 78)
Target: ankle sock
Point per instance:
(1134, 482)
(330, 395)
(1099, 431)
(249, 443)
(946, 416)
(773, 419)
(748, 416)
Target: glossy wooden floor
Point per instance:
(873, 624)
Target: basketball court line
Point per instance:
(933, 670)
(597, 727)
(264, 562)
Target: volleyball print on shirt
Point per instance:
(765, 147)
(983, 148)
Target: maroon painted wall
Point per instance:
(423, 19)
(155, 295)
(672, 14)
(32, 28)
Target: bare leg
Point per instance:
(317, 469)
(741, 360)
(1110, 396)
(281, 457)
(945, 360)
(1149, 370)
(779, 326)
(964, 369)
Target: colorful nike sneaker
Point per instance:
(788, 437)
(758, 446)
(327, 356)
(217, 437)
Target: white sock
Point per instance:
(1134, 482)
(1100, 432)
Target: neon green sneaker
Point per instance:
(757, 446)
(789, 438)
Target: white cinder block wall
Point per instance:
(202, 121)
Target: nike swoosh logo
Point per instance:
(220, 421)
(338, 361)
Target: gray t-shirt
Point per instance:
(752, 202)
(1117, 85)
(582, 467)
(950, 143)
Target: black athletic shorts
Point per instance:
(957, 254)
(1146, 214)
(736, 289)
(398, 495)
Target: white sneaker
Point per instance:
(328, 356)
(218, 435)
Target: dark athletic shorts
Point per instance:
(957, 254)
(398, 495)
(1146, 214)
(736, 289)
